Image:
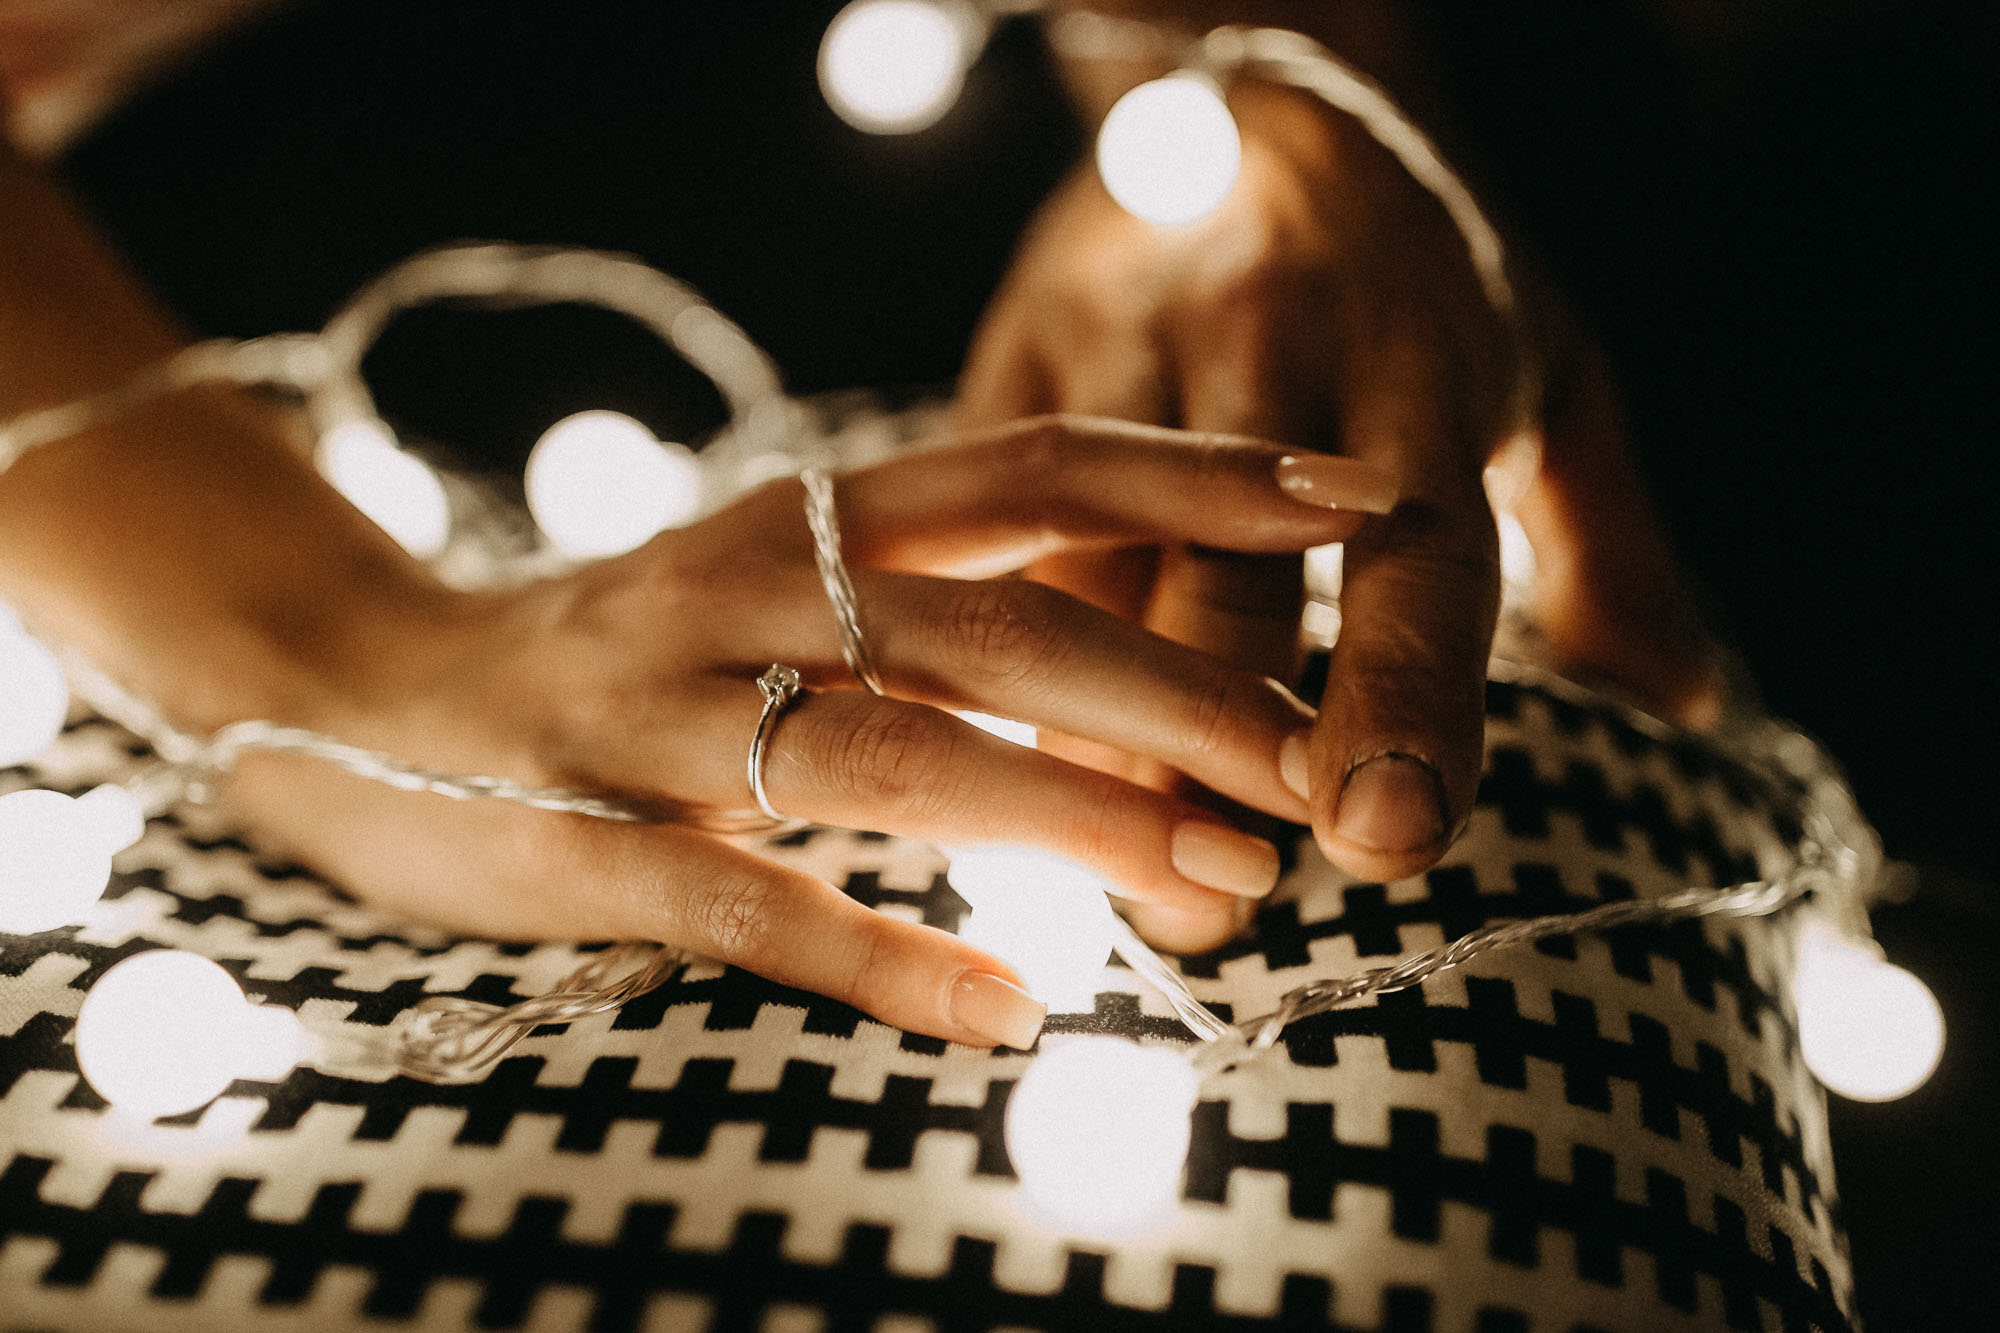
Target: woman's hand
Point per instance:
(190, 551)
(636, 677)
(1330, 304)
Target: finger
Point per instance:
(1235, 379)
(1028, 652)
(800, 931)
(1007, 495)
(1108, 376)
(509, 873)
(854, 760)
(1005, 375)
(1396, 753)
(1010, 647)
(1188, 930)
(1608, 593)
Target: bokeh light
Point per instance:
(1098, 1131)
(166, 1031)
(1044, 915)
(895, 66)
(34, 697)
(1868, 1030)
(600, 484)
(55, 853)
(1168, 151)
(399, 491)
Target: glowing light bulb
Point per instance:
(1168, 151)
(34, 698)
(1326, 571)
(1044, 915)
(398, 491)
(1326, 567)
(600, 484)
(1000, 874)
(165, 1031)
(1006, 728)
(1517, 555)
(1098, 1131)
(895, 66)
(55, 853)
(1869, 1030)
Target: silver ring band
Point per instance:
(825, 525)
(780, 686)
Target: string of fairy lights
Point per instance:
(1097, 1128)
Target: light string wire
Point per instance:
(451, 1039)
(454, 1036)
(501, 276)
(1280, 55)
(824, 521)
(1833, 864)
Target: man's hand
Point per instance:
(1329, 304)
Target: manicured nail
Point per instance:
(1392, 803)
(1293, 766)
(1333, 482)
(997, 1010)
(1221, 858)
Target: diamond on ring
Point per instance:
(779, 685)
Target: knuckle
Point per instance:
(736, 918)
(902, 758)
(1006, 627)
(1100, 822)
(863, 968)
(1216, 705)
(1043, 446)
(1264, 269)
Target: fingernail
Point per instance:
(1392, 803)
(1221, 858)
(997, 1010)
(1333, 482)
(1293, 767)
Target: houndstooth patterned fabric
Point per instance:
(1604, 1133)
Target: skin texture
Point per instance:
(1328, 303)
(1326, 307)
(191, 552)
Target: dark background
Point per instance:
(1777, 218)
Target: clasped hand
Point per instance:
(635, 676)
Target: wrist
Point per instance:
(189, 551)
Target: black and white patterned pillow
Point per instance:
(1610, 1133)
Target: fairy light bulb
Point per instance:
(1006, 728)
(1042, 914)
(55, 853)
(397, 490)
(1868, 1030)
(1325, 570)
(895, 66)
(601, 484)
(1169, 151)
(1098, 1131)
(34, 697)
(166, 1031)
(1517, 556)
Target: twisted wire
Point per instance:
(1140, 957)
(1294, 58)
(452, 1039)
(1754, 898)
(291, 359)
(825, 525)
(223, 749)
